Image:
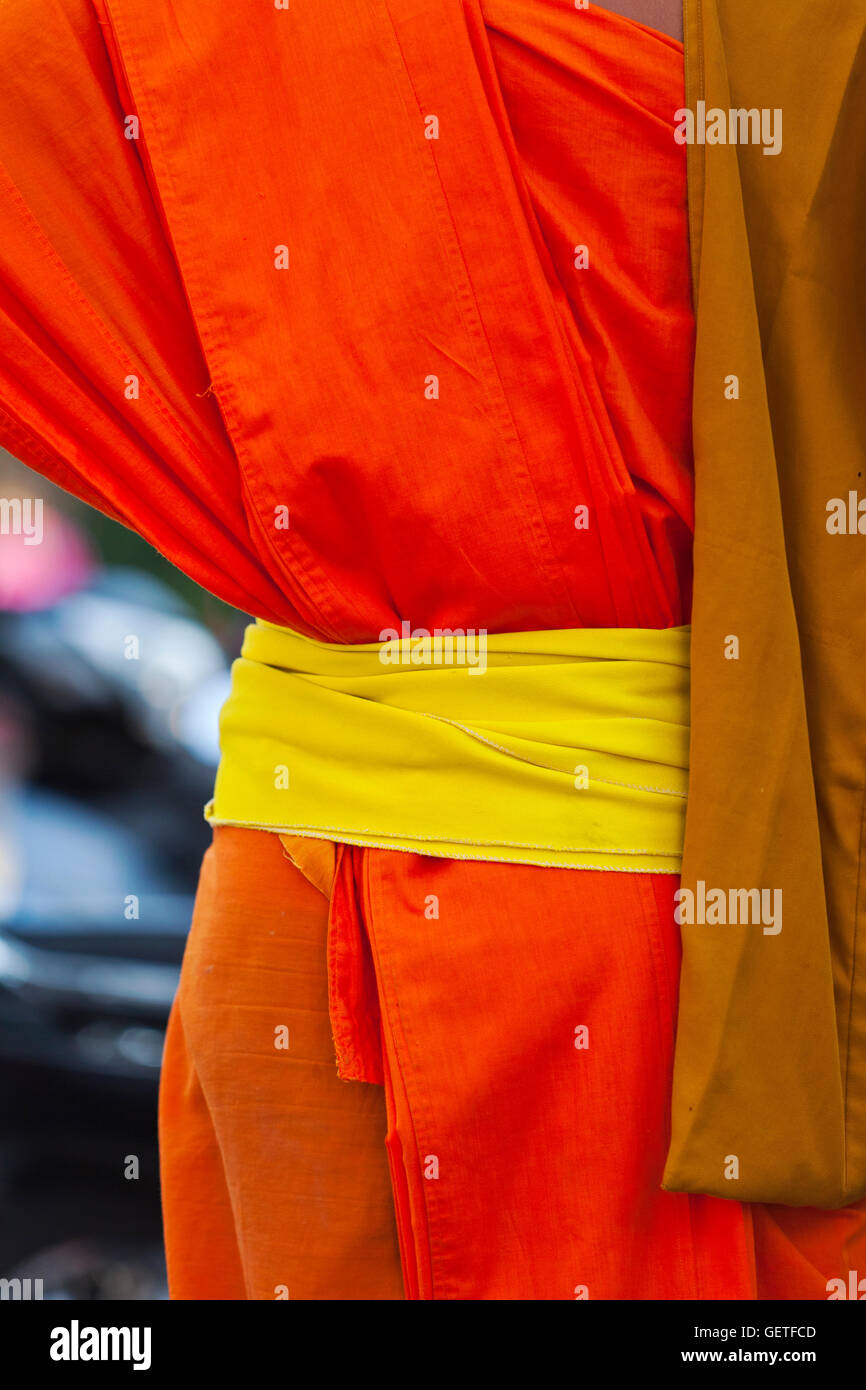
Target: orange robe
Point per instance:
(340, 392)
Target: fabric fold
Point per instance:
(566, 748)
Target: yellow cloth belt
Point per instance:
(566, 748)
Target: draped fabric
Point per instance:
(385, 318)
(275, 1180)
(467, 754)
(778, 753)
(157, 363)
(523, 1164)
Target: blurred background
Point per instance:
(113, 668)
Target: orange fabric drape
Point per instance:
(529, 256)
(273, 1172)
(274, 1169)
(273, 431)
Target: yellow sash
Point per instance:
(564, 748)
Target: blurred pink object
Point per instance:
(42, 559)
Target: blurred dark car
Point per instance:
(108, 708)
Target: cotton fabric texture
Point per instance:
(771, 1040)
(347, 283)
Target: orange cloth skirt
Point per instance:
(515, 1028)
